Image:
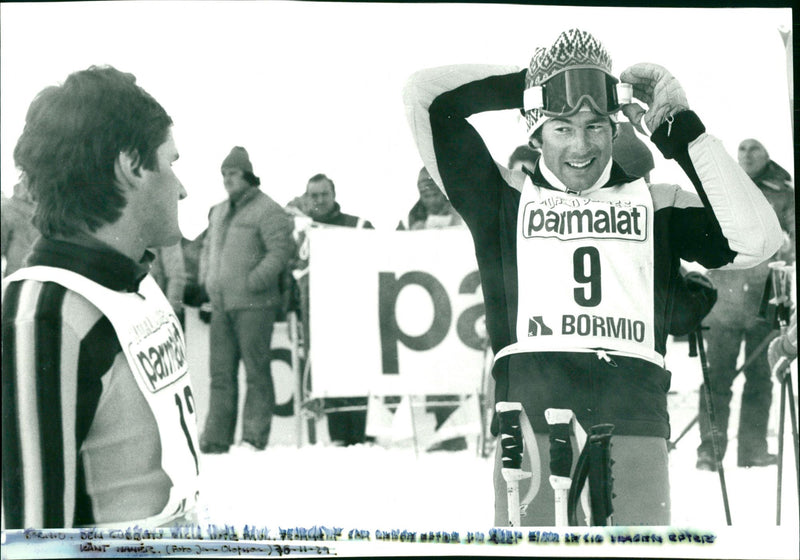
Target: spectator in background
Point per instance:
(248, 245)
(432, 210)
(194, 294)
(169, 271)
(524, 157)
(346, 427)
(631, 153)
(735, 318)
(18, 231)
(322, 207)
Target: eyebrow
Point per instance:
(593, 120)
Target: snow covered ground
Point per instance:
(391, 487)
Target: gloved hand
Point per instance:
(659, 89)
(779, 355)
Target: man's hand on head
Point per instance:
(655, 86)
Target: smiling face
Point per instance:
(577, 148)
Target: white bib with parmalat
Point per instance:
(585, 271)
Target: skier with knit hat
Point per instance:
(578, 258)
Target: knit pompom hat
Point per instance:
(239, 159)
(572, 49)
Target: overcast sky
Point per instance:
(316, 87)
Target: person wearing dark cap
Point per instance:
(735, 319)
(248, 246)
(577, 261)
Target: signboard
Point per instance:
(397, 312)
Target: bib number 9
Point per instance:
(586, 271)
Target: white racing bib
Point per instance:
(153, 343)
(585, 271)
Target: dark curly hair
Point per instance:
(73, 135)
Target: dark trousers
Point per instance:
(723, 343)
(347, 426)
(240, 335)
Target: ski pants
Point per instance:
(641, 483)
(723, 342)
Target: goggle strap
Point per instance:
(533, 98)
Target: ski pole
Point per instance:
(511, 443)
(558, 420)
(750, 359)
(594, 463)
(780, 276)
(712, 420)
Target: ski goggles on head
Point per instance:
(565, 93)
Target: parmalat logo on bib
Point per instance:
(580, 218)
(160, 357)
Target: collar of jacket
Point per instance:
(243, 198)
(330, 216)
(94, 260)
(773, 177)
(618, 177)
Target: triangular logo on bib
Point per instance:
(536, 327)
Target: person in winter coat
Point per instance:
(248, 246)
(321, 205)
(432, 210)
(578, 258)
(18, 231)
(345, 427)
(169, 271)
(735, 318)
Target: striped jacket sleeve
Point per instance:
(56, 347)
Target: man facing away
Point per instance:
(578, 259)
(98, 412)
(248, 245)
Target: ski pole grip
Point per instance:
(511, 444)
(558, 420)
(601, 481)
